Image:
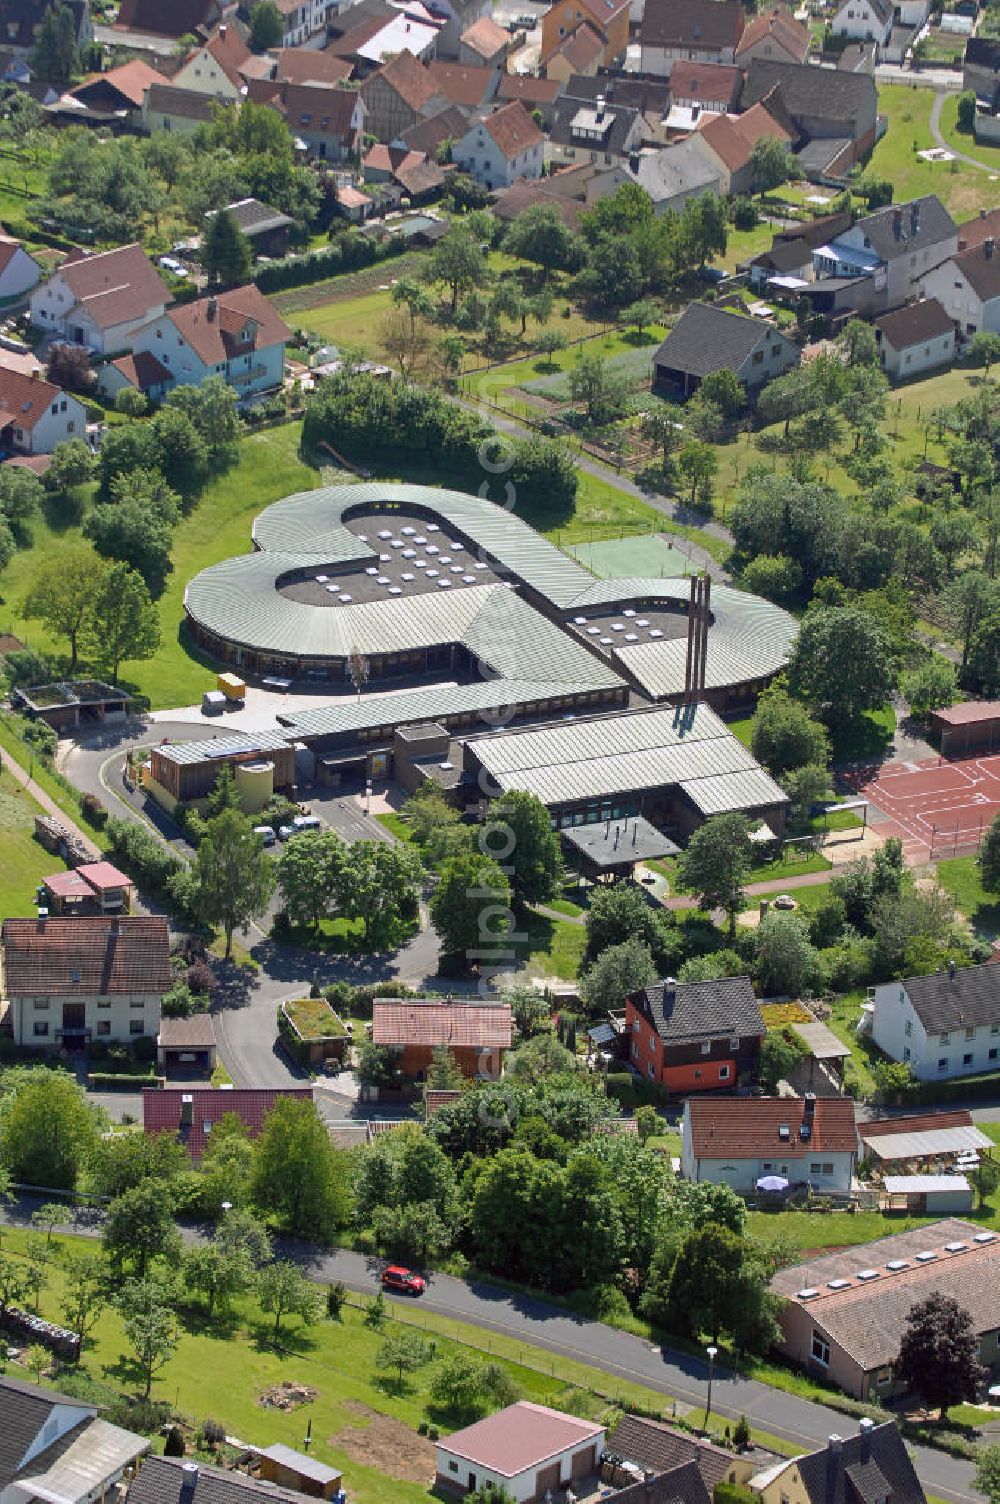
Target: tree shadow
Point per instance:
(290, 1342)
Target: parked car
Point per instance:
(286, 831)
(306, 822)
(527, 21)
(785, 901)
(171, 264)
(403, 1280)
(266, 833)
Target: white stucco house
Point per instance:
(305, 21)
(527, 1449)
(738, 1140)
(19, 272)
(507, 145)
(100, 301)
(69, 980)
(236, 335)
(916, 338)
(863, 21)
(36, 415)
(968, 288)
(943, 1025)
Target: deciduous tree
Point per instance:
(235, 877)
(283, 1290)
(716, 862)
(297, 1175)
(63, 590)
(939, 1354)
(123, 623)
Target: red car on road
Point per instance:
(403, 1280)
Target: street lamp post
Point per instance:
(712, 1354)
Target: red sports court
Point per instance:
(937, 808)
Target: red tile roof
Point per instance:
(914, 323)
(307, 65)
(521, 1437)
(513, 129)
(789, 35)
(161, 1110)
(747, 1127)
(25, 399)
(975, 231)
(479, 1025)
(230, 51)
(460, 84)
(528, 89)
(114, 286)
(410, 79)
(732, 137)
(86, 956)
(917, 1122)
(8, 250)
(91, 878)
(131, 80)
(142, 370)
(485, 37)
(171, 18)
(581, 48)
(212, 326)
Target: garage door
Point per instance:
(584, 1462)
(547, 1479)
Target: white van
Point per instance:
(306, 822)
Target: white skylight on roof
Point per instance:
(807, 1294)
(984, 1237)
(926, 1256)
(955, 1247)
(867, 1274)
(896, 1264)
(839, 1284)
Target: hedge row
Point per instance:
(346, 254)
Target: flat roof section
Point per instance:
(619, 843)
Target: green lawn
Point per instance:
(844, 1015)
(962, 189)
(796, 861)
(359, 1422)
(960, 876)
(552, 948)
(817, 1230)
(23, 862)
(982, 151)
(395, 825)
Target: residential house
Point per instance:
(216, 68)
(190, 1112)
(182, 111)
(650, 96)
(790, 256)
(829, 106)
(654, 1447)
(694, 31)
(20, 21)
(236, 335)
(172, 1480)
(309, 65)
(469, 89)
(476, 1034)
(606, 135)
(694, 1036)
(408, 172)
(168, 18)
(374, 43)
(120, 91)
(858, 57)
(710, 87)
(874, 1464)
(806, 1141)
(863, 21)
(894, 248)
(981, 70)
(507, 145)
(427, 136)
(534, 93)
(19, 271)
(484, 44)
(609, 18)
(524, 195)
(305, 21)
(458, 15)
(529, 1450)
(579, 56)
(773, 34)
(975, 231)
(72, 979)
(267, 230)
(669, 174)
(706, 338)
(968, 288)
(681, 1485)
(943, 1025)
(54, 1446)
(352, 204)
(914, 339)
(843, 1315)
(732, 138)
(328, 119)
(35, 414)
(100, 300)
(399, 94)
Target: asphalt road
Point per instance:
(679, 1376)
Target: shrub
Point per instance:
(94, 812)
(174, 1444)
(201, 978)
(213, 1432)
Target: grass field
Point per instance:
(360, 1422)
(960, 876)
(23, 862)
(961, 188)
